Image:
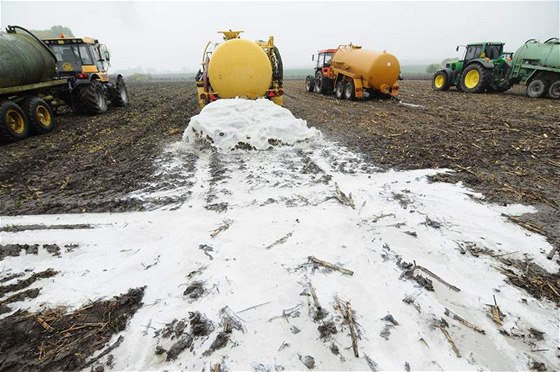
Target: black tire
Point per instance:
(554, 90)
(536, 88)
(349, 91)
(13, 123)
(120, 98)
(475, 79)
(278, 67)
(309, 84)
(440, 81)
(320, 83)
(339, 91)
(39, 115)
(91, 99)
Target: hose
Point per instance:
(12, 30)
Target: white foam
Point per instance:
(241, 123)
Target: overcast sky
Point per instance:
(172, 35)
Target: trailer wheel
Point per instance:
(554, 90)
(121, 93)
(13, 123)
(440, 81)
(39, 115)
(536, 88)
(91, 99)
(349, 91)
(339, 89)
(475, 79)
(309, 84)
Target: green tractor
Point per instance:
(484, 68)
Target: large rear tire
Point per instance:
(39, 115)
(309, 84)
(440, 81)
(554, 90)
(91, 99)
(475, 79)
(13, 123)
(536, 88)
(121, 93)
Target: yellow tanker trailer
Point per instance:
(352, 72)
(240, 68)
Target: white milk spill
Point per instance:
(243, 223)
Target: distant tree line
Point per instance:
(53, 32)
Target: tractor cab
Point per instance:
(324, 58)
(489, 50)
(80, 58)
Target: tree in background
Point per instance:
(433, 68)
(54, 31)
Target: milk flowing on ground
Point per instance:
(256, 231)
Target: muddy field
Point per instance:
(505, 146)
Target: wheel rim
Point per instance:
(472, 78)
(439, 81)
(43, 116)
(537, 88)
(555, 90)
(348, 91)
(15, 121)
(124, 95)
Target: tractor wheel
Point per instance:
(475, 79)
(91, 99)
(39, 115)
(121, 93)
(536, 88)
(440, 81)
(319, 82)
(349, 91)
(13, 123)
(339, 91)
(309, 84)
(554, 90)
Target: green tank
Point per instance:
(534, 58)
(25, 60)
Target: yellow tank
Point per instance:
(380, 70)
(240, 68)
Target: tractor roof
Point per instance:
(70, 40)
(487, 42)
(327, 51)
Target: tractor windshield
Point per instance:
(473, 51)
(494, 51)
(72, 53)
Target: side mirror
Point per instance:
(457, 49)
(313, 57)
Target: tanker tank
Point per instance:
(24, 60)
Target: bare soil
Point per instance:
(506, 146)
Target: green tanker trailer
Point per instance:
(537, 65)
(28, 85)
(486, 68)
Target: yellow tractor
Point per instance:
(85, 63)
(240, 68)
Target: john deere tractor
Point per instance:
(85, 63)
(484, 67)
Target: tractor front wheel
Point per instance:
(554, 90)
(349, 91)
(91, 98)
(475, 79)
(13, 123)
(39, 115)
(536, 88)
(440, 81)
(309, 84)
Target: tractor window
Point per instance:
(86, 57)
(328, 57)
(494, 51)
(66, 53)
(320, 58)
(473, 51)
